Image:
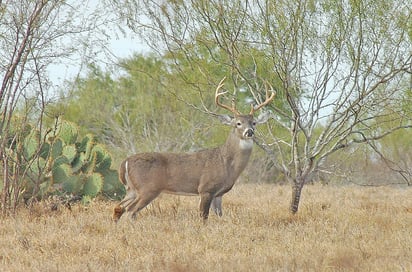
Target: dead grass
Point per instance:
(336, 229)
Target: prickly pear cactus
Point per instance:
(56, 148)
(111, 186)
(93, 184)
(72, 185)
(67, 164)
(31, 144)
(67, 131)
(103, 160)
(69, 152)
(80, 167)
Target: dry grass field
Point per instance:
(337, 229)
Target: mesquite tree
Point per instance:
(341, 68)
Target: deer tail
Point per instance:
(124, 172)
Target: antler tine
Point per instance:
(267, 101)
(218, 94)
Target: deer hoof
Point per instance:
(117, 213)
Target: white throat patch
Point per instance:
(246, 144)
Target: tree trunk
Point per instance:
(4, 193)
(296, 191)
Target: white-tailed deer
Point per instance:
(209, 173)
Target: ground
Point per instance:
(345, 228)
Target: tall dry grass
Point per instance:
(337, 229)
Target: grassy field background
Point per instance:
(344, 228)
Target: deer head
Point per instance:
(244, 123)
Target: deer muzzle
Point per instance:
(249, 133)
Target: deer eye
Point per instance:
(254, 123)
(238, 124)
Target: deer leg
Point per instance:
(120, 208)
(205, 201)
(130, 196)
(141, 202)
(131, 204)
(217, 205)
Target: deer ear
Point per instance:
(225, 119)
(263, 117)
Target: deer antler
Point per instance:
(218, 94)
(267, 101)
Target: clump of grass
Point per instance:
(337, 229)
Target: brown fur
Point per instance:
(117, 213)
(209, 173)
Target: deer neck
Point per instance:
(237, 152)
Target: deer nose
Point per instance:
(249, 133)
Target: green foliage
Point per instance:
(56, 147)
(69, 152)
(44, 150)
(103, 159)
(72, 185)
(67, 131)
(31, 144)
(60, 172)
(93, 184)
(111, 185)
(135, 112)
(82, 165)
(65, 164)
